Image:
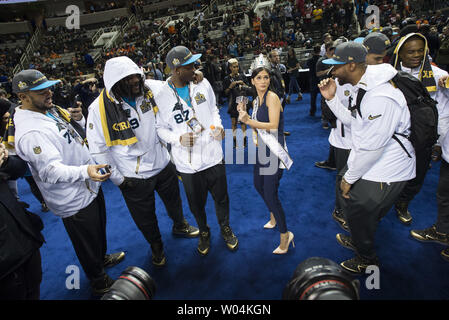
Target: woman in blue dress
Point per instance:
(268, 120)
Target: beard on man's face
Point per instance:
(42, 105)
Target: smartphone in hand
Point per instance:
(105, 170)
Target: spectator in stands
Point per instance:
(235, 85)
(326, 38)
(213, 73)
(266, 26)
(307, 18)
(154, 70)
(313, 79)
(443, 52)
(317, 17)
(348, 6)
(292, 72)
(87, 92)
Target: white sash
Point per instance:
(271, 141)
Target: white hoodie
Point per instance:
(58, 162)
(441, 95)
(375, 155)
(340, 137)
(143, 159)
(172, 123)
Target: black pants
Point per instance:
(24, 282)
(140, 200)
(87, 231)
(197, 185)
(413, 186)
(341, 158)
(267, 186)
(369, 202)
(34, 189)
(442, 224)
(314, 91)
(331, 156)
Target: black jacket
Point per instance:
(277, 81)
(19, 229)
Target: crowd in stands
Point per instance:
(297, 24)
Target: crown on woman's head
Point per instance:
(259, 62)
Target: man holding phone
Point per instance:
(121, 131)
(55, 148)
(235, 86)
(189, 120)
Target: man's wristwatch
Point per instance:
(344, 180)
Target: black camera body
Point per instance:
(321, 279)
(133, 284)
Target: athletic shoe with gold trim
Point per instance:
(185, 230)
(345, 241)
(339, 217)
(430, 235)
(231, 240)
(402, 212)
(113, 259)
(358, 264)
(445, 254)
(158, 258)
(204, 243)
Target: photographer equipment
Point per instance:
(133, 284)
(321, 279)
(76, 99)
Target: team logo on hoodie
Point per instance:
(37, 150)
(145, 107)
(200, 98)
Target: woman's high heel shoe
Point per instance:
(278, 250)
(269, 225)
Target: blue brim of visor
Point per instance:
(192, 59)
(332, 61)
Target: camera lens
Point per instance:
(321, 279)
(133, 284)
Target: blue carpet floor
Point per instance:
(410, 269)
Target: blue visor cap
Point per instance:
(47, 84)
(180, 56)
(31, 79)
(192, 59)
(333, 61)
(348, 52)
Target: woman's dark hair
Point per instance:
(255, 72)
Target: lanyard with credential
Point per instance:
(178, 105)
(61, 123)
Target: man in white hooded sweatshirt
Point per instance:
(56, 151)
(411, 56)
(121, 131)
(378, 167)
